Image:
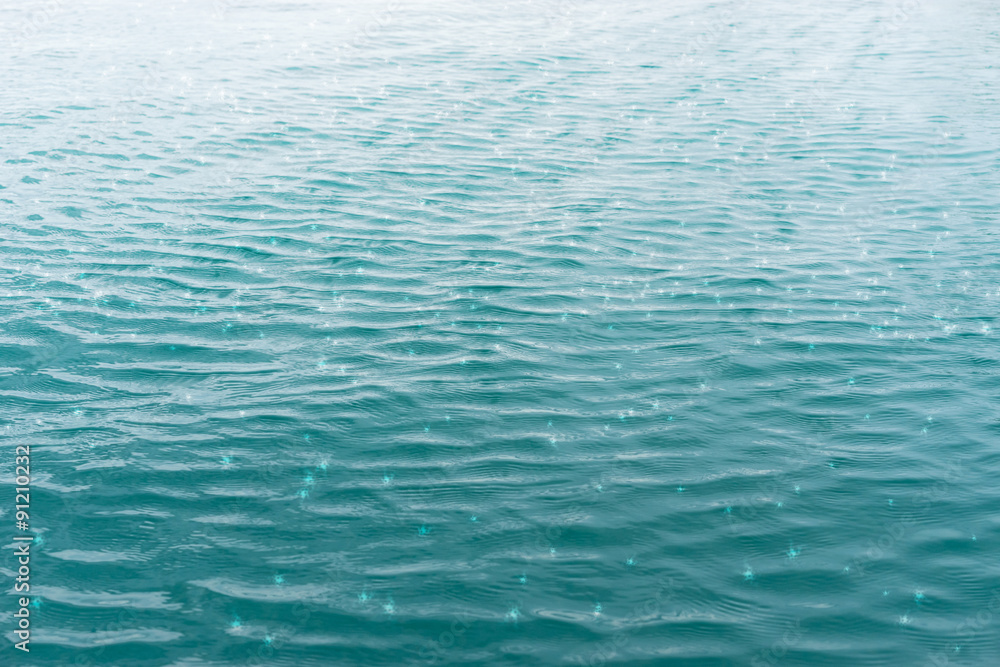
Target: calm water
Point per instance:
(528, 333)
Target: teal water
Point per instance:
(528, 333)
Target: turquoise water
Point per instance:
(528, 333)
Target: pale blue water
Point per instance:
(528, 333)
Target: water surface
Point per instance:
(529, 333)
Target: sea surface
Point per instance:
(552, 332)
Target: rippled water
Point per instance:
(534, 333)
